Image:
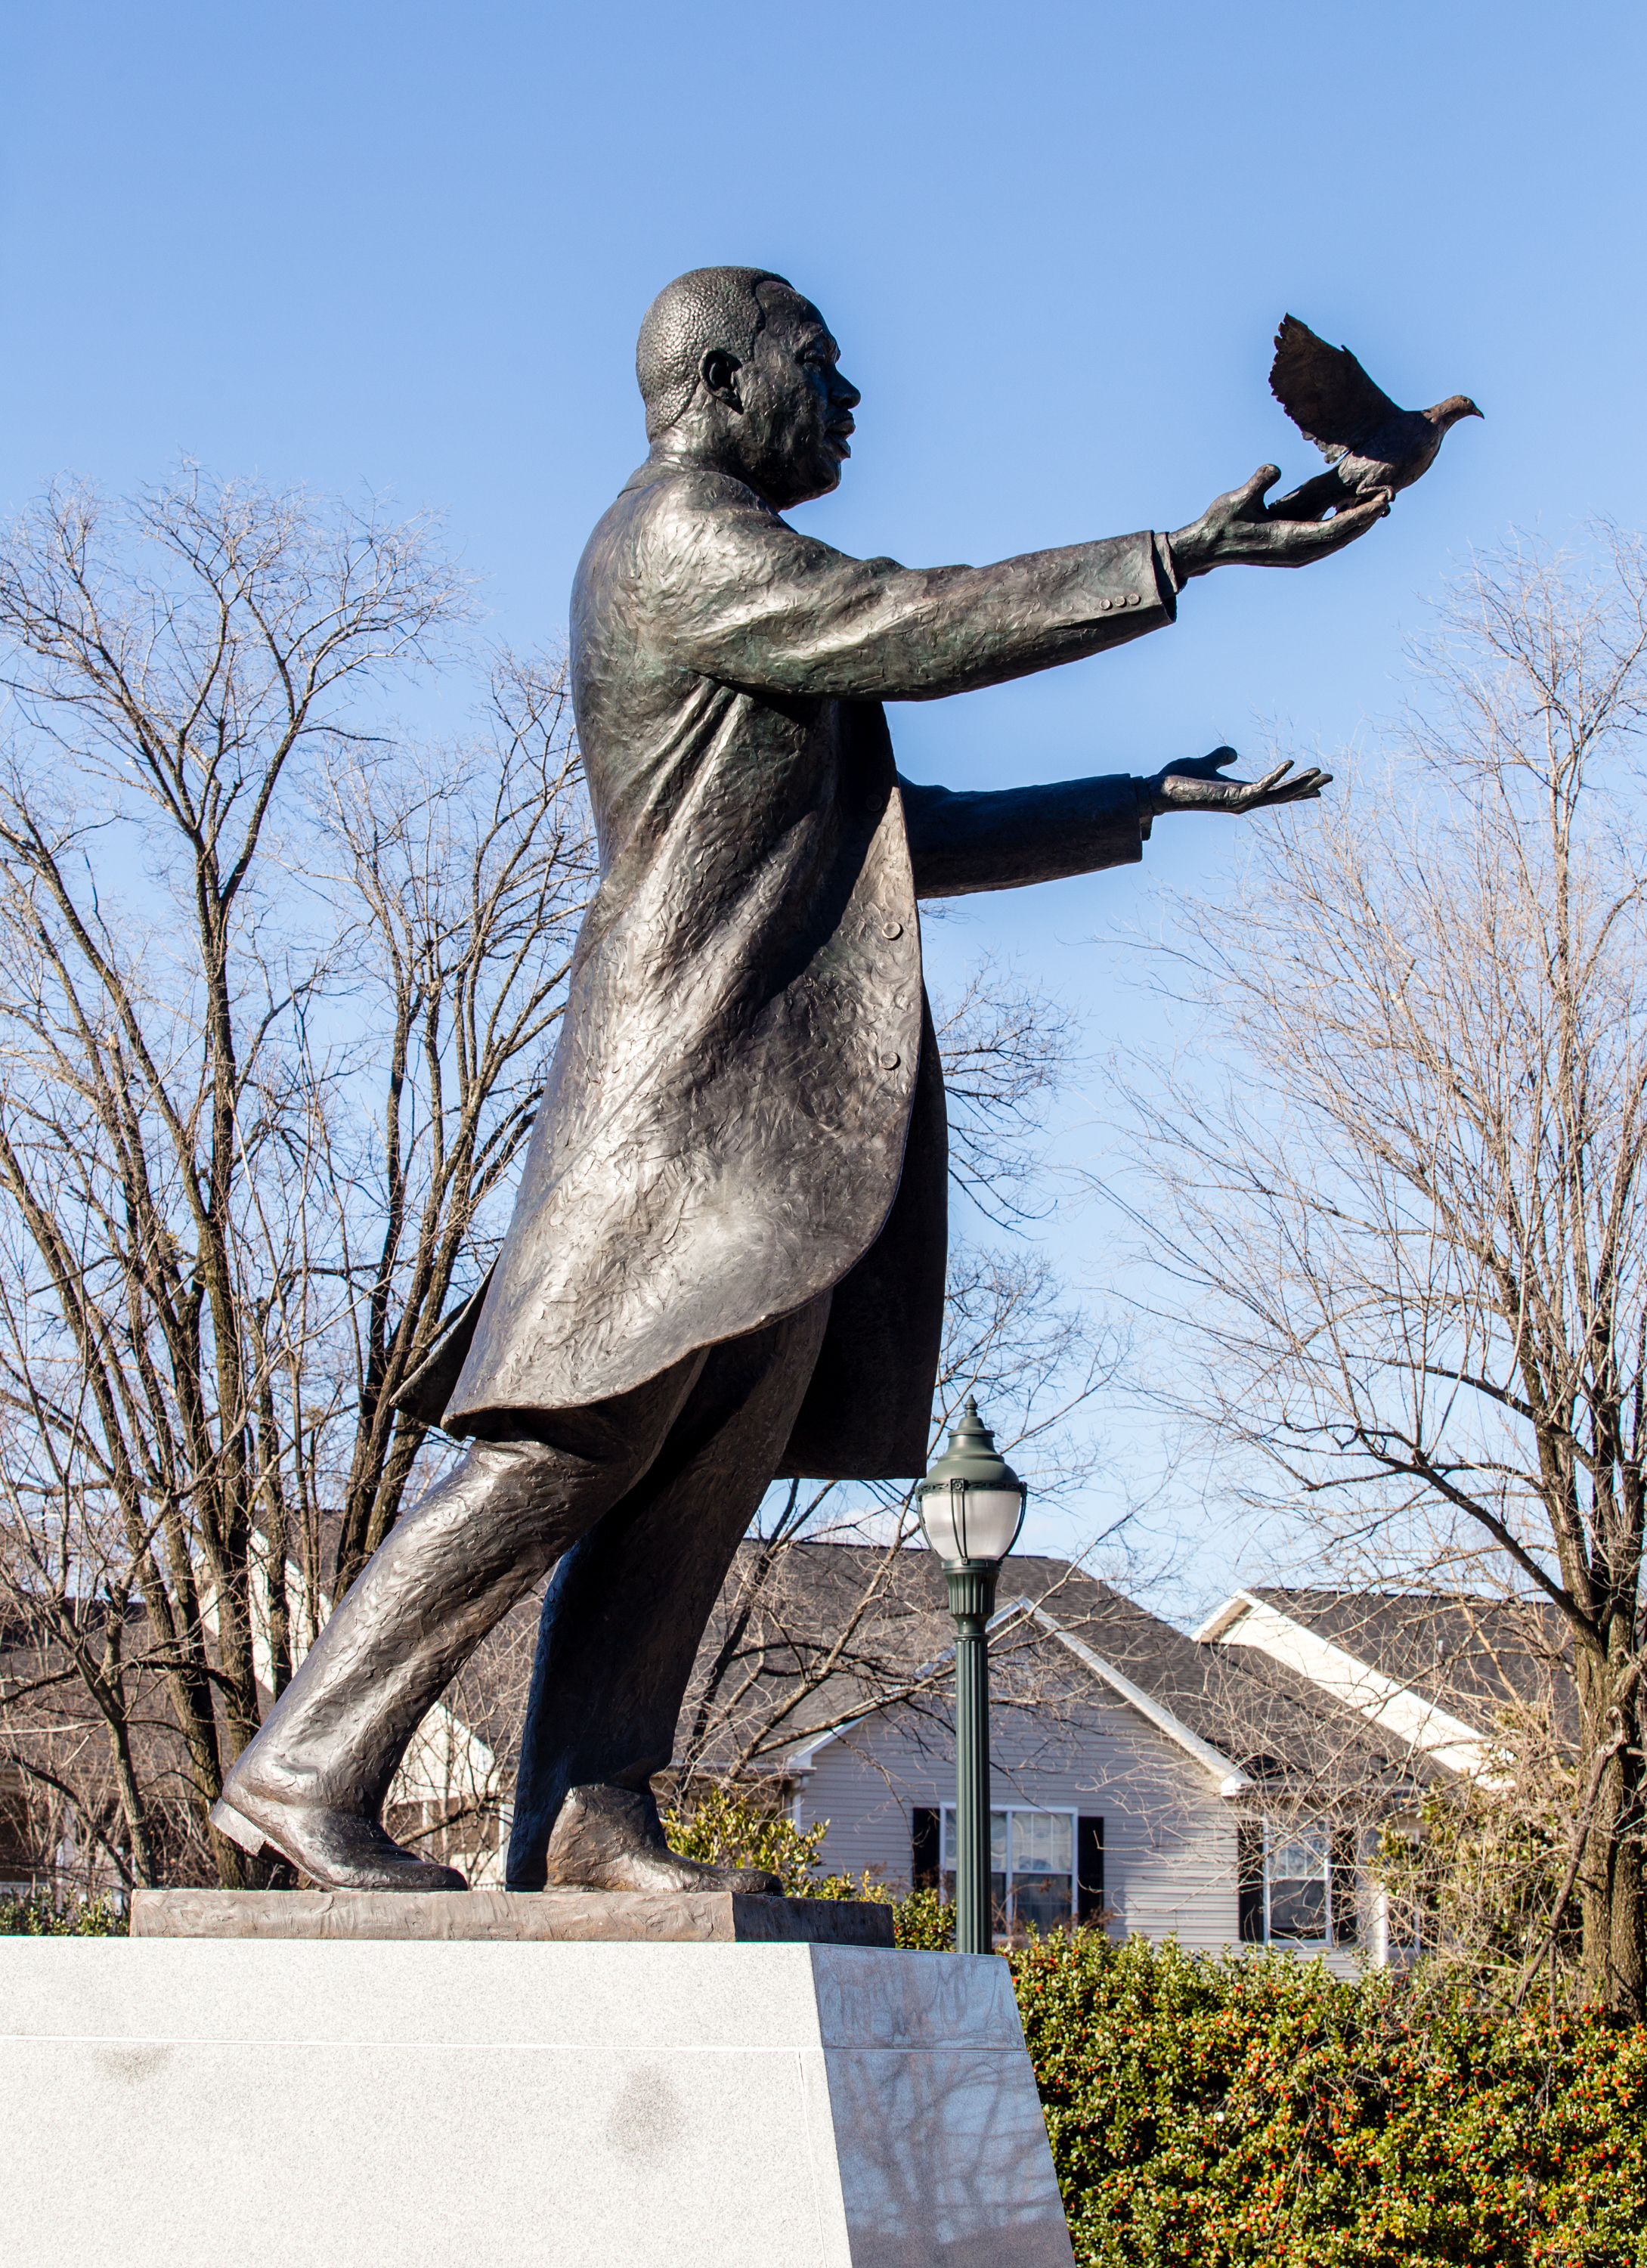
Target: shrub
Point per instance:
(731, 1827)
(1256, 2109)
(37, 1915)
(924, 1923)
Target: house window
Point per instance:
(1032, 1868)
(1040, 1875)
(1298, 1883)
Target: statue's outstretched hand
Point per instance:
(1194, 784)
(1236, 530)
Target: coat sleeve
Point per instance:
(1000, 841)
(735, 594)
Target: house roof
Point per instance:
(822, 1633)
(773, 1675)
(1439, 1669)
(1023, 1617)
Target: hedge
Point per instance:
(1256, 2109)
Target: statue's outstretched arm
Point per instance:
(1001, 839)
(736, 593)
(769, 609)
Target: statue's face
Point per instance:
(793, 434)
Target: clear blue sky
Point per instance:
(411, 245)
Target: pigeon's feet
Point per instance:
(611, 1838)
(340, 1850)
(1326, 492)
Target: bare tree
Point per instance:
(1402, 1193)
(1479, 1875)
(1007, 1045)
(280, 982)
(276, 992)
(470, 875)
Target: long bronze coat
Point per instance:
(745, 1108)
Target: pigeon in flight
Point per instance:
(1369, 443)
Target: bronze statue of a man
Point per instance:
(726, 1259)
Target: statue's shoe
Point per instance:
(611, 1838)
(340, 1850)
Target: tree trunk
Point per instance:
(132, 1804)
(1614, 1961)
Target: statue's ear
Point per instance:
(718, 371)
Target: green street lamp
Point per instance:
(972, 1507)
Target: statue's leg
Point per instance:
(624, 1617)
(314, 1781)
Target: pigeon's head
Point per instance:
(1449, 412)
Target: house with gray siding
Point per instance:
(1102, 1810)
(1144, 1780)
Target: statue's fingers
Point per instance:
(1250, 496)
(1344, 527)
(1264, 796)
(1318, 538)
(1271, 780)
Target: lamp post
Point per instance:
(972, 1507)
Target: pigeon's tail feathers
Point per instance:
(1325, 391)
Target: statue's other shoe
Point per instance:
(611, 1838)
(340, 1850)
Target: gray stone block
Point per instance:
(499, 1917)
(387, 2104)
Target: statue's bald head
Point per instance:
(740, 376)
(706, 307)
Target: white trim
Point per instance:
(1424, 1725)
(1220, 1619)
(1231, 1778)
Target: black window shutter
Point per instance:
(923, 1848)
(1346, 1904)
(1249, 1876)
(1089, 1872)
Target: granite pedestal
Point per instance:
(357, 2102)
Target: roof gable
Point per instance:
(775, 1643)
(1231, 1778)
(1338, 1653)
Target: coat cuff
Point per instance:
(1170, 578)
(1131, 586)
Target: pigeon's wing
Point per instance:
(1325, 391)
